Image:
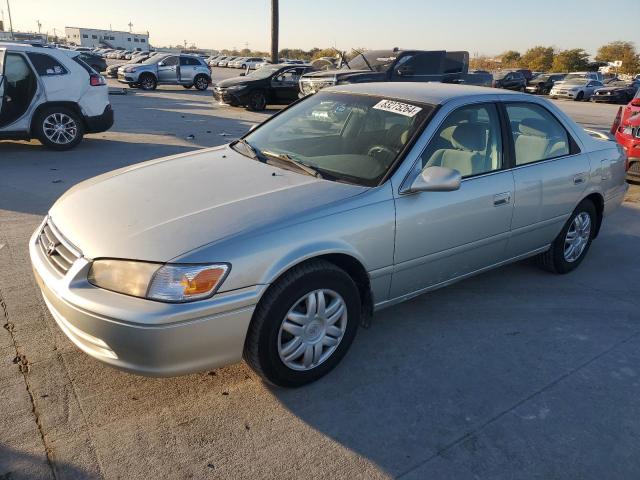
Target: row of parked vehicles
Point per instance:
(251, 63)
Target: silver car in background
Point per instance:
(277, 246)
(577, 89)
(186, 70)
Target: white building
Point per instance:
(92, 37)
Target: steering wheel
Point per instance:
(378, 149)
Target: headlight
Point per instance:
(130, 69)
(627, 130)
(236, 88)
(156, 281)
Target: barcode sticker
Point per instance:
(397, 107)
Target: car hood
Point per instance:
(613, 89)
(234, 81)
(161, 209)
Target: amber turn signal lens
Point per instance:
(203, 282)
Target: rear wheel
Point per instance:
(201, 82)
(148, 82)
(304, 325)
(572, 243)
(257, 101)
(59, 128)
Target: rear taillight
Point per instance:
(616, 122)
(96, 80)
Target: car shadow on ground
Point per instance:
(15, 464)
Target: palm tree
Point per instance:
(274, 31)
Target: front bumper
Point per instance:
(614, 97)
(633, 173)
(563, 94)
(100, 123)
(127, 77)
(143, 336)
(231, 98)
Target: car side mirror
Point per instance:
(436, 179)
(404, 71)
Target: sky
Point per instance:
(480, 26)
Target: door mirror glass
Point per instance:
(436, 179)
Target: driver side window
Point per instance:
(170, 62)
(469, 140)
(288, 77)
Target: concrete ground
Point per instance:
(515, 374)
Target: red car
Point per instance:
(626, 128)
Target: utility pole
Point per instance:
(10, 22)
(130, 26)
(274, 31)
(39, 26)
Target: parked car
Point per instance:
(96, 62)
(575, 89)
(626, 129)
(510, 80)
(481, 78)
(393, 66)
(270, 85)
(185, 70)
(251, 63)
(225, 62)
(236, 62)
(616, 92)
(526, 73)
(542, 84)
(51, 95)
(352, 200)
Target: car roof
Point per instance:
(56, 52)
(429, 92)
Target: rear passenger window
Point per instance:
(189, 61)
(46, 65)
(468, 141)
(537, 134)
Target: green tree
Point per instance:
(511, 58)
(570, 60)
(623, 51)
(538, 58)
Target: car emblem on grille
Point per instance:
(51, 247)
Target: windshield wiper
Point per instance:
(254, 153)
(283, 157)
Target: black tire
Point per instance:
(580, 97)
(257, 102)
(201, 82)
(187, 86)
(261, 344)
(42, 133)
(553, 260)
(244, 67)
(148, 82)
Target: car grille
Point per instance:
(635, 168)
(56, 249)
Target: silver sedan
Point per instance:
(279, 245)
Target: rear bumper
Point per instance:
(100, 123)
(142, 336)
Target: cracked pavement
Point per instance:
(513, 374)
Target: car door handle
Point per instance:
(501, 199)
(578, 179)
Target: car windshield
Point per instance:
(264, 72)
(576, 81)
(344, 137)
(154, 59)
(500, 75)
(378, 60)
(572, 76)
(542, 78)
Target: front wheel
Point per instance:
(201, 83)
(257, 101)
(148, 82)
(572, 243)
(59, 128)
(580, 97)
(304, 325)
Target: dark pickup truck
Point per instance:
(395, 66)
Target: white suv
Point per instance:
(52, 95)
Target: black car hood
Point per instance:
(618, 88)
(236, 81)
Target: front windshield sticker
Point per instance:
(397, 107)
